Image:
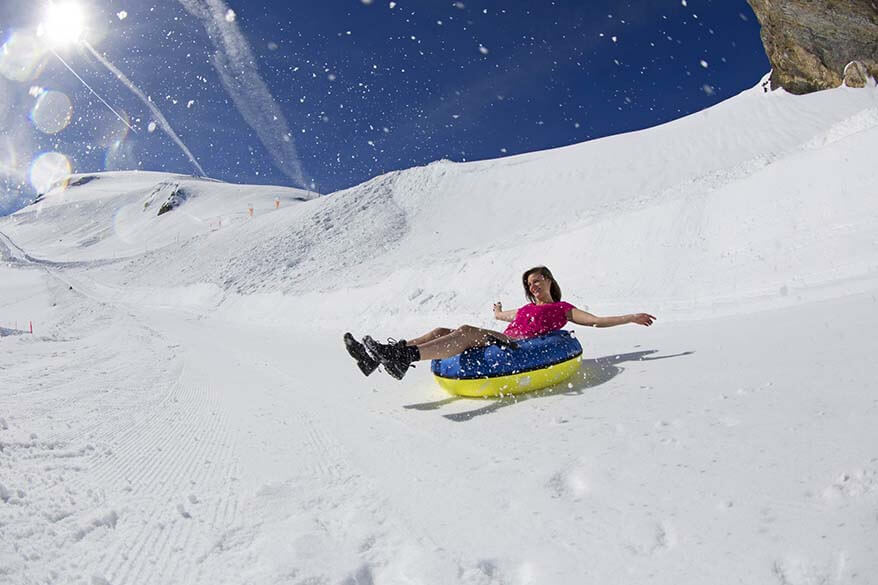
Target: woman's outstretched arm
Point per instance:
(581, 317)
(502, 315)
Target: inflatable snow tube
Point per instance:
(495, 371)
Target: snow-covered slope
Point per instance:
(184, 412)
(101, 216)
(751, 202)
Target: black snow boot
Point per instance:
(396, 357)
(365, 362)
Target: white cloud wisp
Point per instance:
(235, 63)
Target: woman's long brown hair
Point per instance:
(554, 289)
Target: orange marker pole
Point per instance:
(31, 327)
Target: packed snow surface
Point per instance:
(184, 411)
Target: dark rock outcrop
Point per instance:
(83, 180)
(175, 200)
(810, 43)
(169, 193)
(79, 181)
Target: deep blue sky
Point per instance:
(366, 88)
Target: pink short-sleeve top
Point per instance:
(534, 320)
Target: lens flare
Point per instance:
(64, 23)
(107, 129)
(9, 161)
(52, 112)
(120, 156)
(6, 102)
(50, 170)
(22, 57)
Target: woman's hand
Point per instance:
(642, 319)
(502, 315)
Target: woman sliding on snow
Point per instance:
(546, 312)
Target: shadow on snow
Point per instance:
(592, 372)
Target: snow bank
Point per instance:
(760, 201)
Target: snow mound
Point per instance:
(106, 216)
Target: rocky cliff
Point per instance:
(818, 44)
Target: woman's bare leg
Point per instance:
(457, 341)
(427, 337)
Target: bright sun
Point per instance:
(64, 23)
